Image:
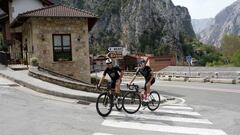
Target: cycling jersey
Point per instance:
(113, 73)
(146, 72)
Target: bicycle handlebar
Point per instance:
(132, 86)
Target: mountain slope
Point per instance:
(139, 25)
(200, 24)
(226, 22)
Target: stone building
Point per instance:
(158, 63)
(57, 36)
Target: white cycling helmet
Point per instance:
(108, 61)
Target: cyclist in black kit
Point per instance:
(115, 74)
(145, 71)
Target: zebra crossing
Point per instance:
(186, 121)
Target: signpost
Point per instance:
(115, 49)
(189, 61)
(115, 52)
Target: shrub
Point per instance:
(236, 58)
(34, 61)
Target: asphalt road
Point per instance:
(219, 103)
(210, 109)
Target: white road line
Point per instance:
(162, 128)
(101, 134)
(178, 112)
(184, 105)
(181, 112)
(177, 107)
(164, 118)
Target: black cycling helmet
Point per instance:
(142, 61)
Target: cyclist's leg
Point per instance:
(112, 85)
(145, 90)
(117, 87)
(148, 86)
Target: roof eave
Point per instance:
(21, 19)
(47, 2)
(92, 22)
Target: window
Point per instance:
(62, 47)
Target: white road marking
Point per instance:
(162, 128)
(101, 134)
(174, 105)
(178, 112)
(181, 112)
(177, 107)
(164, 118)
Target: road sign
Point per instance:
(115, 55)
(115, 52)
(115, 49)
(189, 59)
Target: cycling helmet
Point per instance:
(108, 61)
(142, 61)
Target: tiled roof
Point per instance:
(58, 11)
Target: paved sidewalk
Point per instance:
(22, 78)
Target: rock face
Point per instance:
(201, 24)
(226, 22)
(139, 25)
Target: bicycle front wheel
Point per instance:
(104, 104)
(154, 100)
(131, 102)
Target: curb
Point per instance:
(53, 93)
(198, 80)
(226, 81)
(64, 95)
(71, 85)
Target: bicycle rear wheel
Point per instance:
(131, 102)
(118, 105)
(104, 104)
(154, 100)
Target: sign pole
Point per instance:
(189, 66)
(189, 61)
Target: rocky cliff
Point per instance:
(201, 24)
(226, 22)
(139, 25)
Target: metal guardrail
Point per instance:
(194, 75)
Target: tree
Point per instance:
(230, 44)
(236, 58)
(163, 49)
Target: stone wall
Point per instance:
(40, 45)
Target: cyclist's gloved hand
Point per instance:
(98, 86)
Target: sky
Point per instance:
(200, 9)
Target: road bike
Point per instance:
(106, 100)
(133, 99)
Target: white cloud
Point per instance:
(204, 8)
